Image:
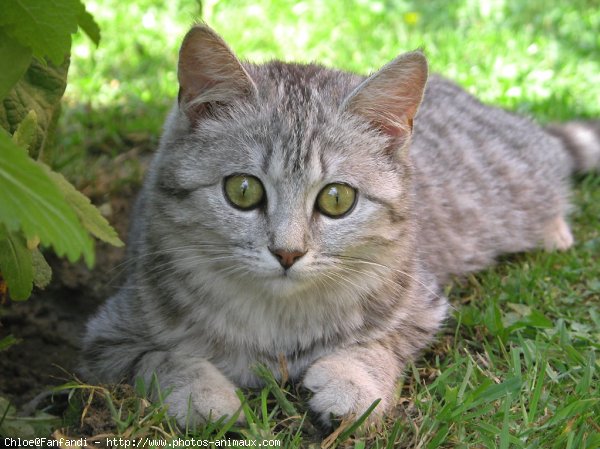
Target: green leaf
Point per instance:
(89, 26)
(439, 437)
(537, 319)
(42, 273)
(43, 26)
(16, 265)
(88, 214)
(39, 90)
(15, 59)
(496, 391)
(6, 343)
(576, 407)
(31, 201)
(25, 134)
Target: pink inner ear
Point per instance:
(401, 127)
(389, 99)
(191, 86)
(396, 131)
(391, 111)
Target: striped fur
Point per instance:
(205, 299)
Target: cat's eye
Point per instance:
(244, 192)
(336, 200)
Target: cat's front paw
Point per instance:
(344, 389)
(199, 403)
(201, 394)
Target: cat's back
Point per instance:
(486, 180)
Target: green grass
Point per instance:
(516, 366)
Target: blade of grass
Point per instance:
(351, 429)
(537, 391)
(287, 407)
(505, 433)
(227, 426)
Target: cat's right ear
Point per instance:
(209, 73)
(389, 99)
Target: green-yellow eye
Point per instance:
(336, 199)
(244, 192)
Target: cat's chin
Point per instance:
(286, 283)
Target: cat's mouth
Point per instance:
(287, 276)
(286, 282)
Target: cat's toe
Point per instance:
(557, 235)
(341, 392)
(199, 404)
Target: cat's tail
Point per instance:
(582, 140)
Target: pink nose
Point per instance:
(287, 258)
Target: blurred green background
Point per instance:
(540, 57)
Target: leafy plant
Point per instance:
(38, 206)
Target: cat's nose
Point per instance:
(286, 257)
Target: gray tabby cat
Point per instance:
(288, 215)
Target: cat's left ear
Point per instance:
(209, 73)
(389, 99)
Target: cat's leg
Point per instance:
(194, 389)
(117, 347)
(557, 234)
(348, 380)
(345, 383)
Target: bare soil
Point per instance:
(49, 325)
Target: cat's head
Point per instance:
(287, 176)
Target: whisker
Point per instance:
(168, 250)
(169, 267)
(349, 281)
(376, 276)
(402, 272)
